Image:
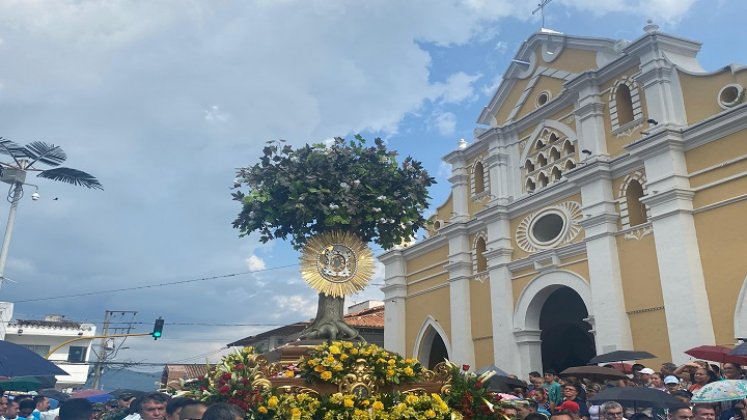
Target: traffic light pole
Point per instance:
(72, 340)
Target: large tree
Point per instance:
(339, 186)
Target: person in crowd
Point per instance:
(535, 380)
(683, 395)
(537, 416)
(508, 409)
(701, 377)
(152, 406)
(563, 415)
(667, 369)
(41, 406)
(123, 409)
(76, 409)
(25, 408)
(3, 405)
(223, 411)
(611, 410)
(193, 411)
(570, 407)
(671, 383)
(540, 396)
(554, 393)
(732, 371)
(571, 393)
(657, 382)
(11, 412)
(644, 376)
(681, 412)
(174, 407)
(740, 410)
(594, 410)
(704, 412)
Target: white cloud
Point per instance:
(215, 115)
(255, 263)
(444, 171)
(445, 123)
(490, 88)
(458, 88)
(668, 11)
(297, 304)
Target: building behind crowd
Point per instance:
(600, 206)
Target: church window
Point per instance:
(555, 174)
(624, 104)
(569, 165)
(554, 154)
(542, 180)
(478, 178)
(530, 185)
(636, 209)
(568, 149)
(730, 95)
(542, 98)
(547, 157)
(547, 228)
(540, 144)
(541, 160)
(481, 262)
(529, 166)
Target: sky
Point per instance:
(162, 101)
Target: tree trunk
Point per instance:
(329, 323)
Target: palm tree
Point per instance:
(14, 173)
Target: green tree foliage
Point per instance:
(340, 186)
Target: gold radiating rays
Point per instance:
(337, 263)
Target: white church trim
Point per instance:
(529, 305)
(424, 340)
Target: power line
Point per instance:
(150, 286)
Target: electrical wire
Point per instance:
(150, 286)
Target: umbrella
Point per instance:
(26, 383)
(620, 366)
(644, 397)
(726, 390)
(718, 354)
(740, 350)
(620, 356)
(53, 393)
(502, 383)
(594, 372)
(16, 360)
(93, 395)
(494, 368)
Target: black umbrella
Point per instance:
(27, 383)
(740, 350)
(53, 393)
(621, 356)
(20, 361)
(635, 397)
(506, 384)
(594, 372)
(123, 392)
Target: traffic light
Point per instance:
(157, 328)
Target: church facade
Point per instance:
(601, 206)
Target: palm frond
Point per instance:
(46, 153)
(72, 176)
(12, 149)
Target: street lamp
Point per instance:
(15, 172)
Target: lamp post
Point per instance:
(14, 173)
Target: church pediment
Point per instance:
(543, 64)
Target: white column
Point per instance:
(612, 326)
(460, 273)
(395, 291)
(670, 204)
(530, 350)
(590, 116)
(460, 189)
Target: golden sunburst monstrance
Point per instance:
(337, 263)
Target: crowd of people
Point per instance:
(150, 406)
(549, 396)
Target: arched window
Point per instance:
(554, 154)
(529, 166)
(624, 103)
(636, 209)
(530, 185)
(541, 160)
(553, 138)
(555, 174)
(482, 262)
(569, 165)
(479, 178)
(542, 180)
(540, 144)
(568, 149)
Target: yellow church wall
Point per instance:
(644, 300)
(572, 60)
(511, 100)
(427, 283)
(718, 173)
(483, 352)
(720, 192)
(442, 213)
(706, 164)
(482, 325)
(700, 92)
(426, 262)
(722, 249)
(418, 308)
(544, 83)
(476, 204)
(520, 279)
(716, 152)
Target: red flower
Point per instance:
(465, 367)
(239, 366)
(478, 385)
(224, 389)
(226, 376)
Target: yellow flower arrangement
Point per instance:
(329, 362)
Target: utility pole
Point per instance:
(103, 353)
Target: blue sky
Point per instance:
(163, 100)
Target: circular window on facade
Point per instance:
(547, 228)
(542, 98)
(730, 95)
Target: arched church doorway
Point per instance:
(566, 340)
(438, 352)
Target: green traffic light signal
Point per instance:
(157, 328)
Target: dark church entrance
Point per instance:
(438, 351)
(566, 340)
